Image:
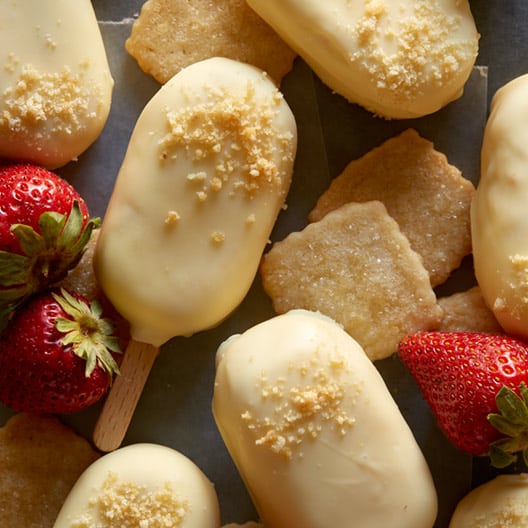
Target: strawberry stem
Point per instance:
(47, 256)
(511, 421)
(89, 335)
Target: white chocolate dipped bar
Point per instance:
(205, 175)
(499, 211)
(141, 485)
(314, 432)
(396, 58)
(56, 85)
(499, 503)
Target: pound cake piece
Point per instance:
(422, 191)
(40, 460)
(172, 34)
(357, 267)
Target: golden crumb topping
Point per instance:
(237, 137)
(511, 515)
(301, 411)
(519, 283)
(172, 217)
(217, 237)
(129, 505)
(520, 263)
(55, 102)
(415, 53)
(11, 63)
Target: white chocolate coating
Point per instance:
(500, 503)
(140, 483)
(397, 58)
(314, 432)
(56, 85)
(499, 212)
(205, 175)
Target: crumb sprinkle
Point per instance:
(518, 284)
(130, 505)
(301, 411)
(236, 134)
(37, 103)
(172, 217)
(217, 237)
(423, 51)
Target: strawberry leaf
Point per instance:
(30, 241)
(512, 421)
(500, 458)
(51, 225)
(512, 407)
(72, 227)
(10, 295)
(13, 269)
(96, 308)
(505, 426)
(523, 389)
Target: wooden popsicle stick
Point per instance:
(124, 394)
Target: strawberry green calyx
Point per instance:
(89, 335)
(46, 257)
(511, 421)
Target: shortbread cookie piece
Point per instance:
(169, 35)
(427, 196)
(40, 460)
(356, 266)
(82, 280)
(466, 311)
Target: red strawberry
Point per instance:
(476, 386)
(44, 226)
(56, 355)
